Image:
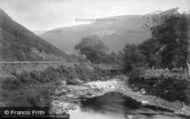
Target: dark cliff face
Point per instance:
(19, 44)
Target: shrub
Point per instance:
(23, 89)
(11, 83)
(28, 98)
(171, 89)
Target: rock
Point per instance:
(88, 80)
(70, 95)
(130, 117)
(143, 91)
(63, 83)
(75, 81)
(89, 67)
(144, 102)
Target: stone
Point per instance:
(75, 81)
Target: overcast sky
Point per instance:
(49, 14)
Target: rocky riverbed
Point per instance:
(67, 97)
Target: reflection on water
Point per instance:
(115, 105)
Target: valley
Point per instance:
(72, 71)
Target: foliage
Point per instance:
(52, 74)
(113, 57)
(170, 88)
(167, 48)
(38, 97)
(132, 57)
(149, 49)
(95, 51)
(169, 31)
(91, 42)
(31, 88)
(18, 43)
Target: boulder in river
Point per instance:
(75, 81)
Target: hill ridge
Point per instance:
(22, 44)
(124, 29)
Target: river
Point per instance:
(115, 105)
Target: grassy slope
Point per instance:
(114, 33)
(31, 87)
(18, 42)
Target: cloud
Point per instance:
(48, 14)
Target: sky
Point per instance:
(40, 15)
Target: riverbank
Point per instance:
(66, 98)
(85, 80)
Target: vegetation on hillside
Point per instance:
(166, 49)
(22, 45)
(169, 88)
(114, 34)
(34, 88)
(95, 51)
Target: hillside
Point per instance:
(19, 44)
(115, 32)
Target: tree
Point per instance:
(149, 49)
(93, 49)
(92, 42)
(113, 58)
(188, 47)
(169, 28)
(132, 57)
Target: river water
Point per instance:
(115, 105)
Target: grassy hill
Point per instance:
(19, 44)
(115, 32)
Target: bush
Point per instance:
(38, 97)
(11, 83)
(23, 89)
(171, 89)
(133, 58)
